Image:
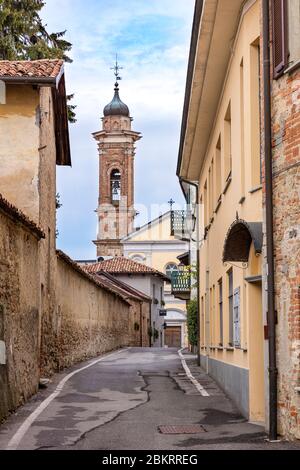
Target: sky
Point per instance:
(152, 40)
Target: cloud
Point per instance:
(152, 40)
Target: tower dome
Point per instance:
(116, 107)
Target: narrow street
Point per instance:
(120, 401)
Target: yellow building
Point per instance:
(220, 151)
(154, 246)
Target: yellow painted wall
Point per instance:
(241, 94)
(160, 230)
(19, 143)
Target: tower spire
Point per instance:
(116, 68)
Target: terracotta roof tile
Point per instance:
(31, 68)
(122, 265)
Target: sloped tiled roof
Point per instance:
(122, 265)
(30, 68)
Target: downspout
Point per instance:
(195, 185)
(271, 312)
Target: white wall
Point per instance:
(144, 283)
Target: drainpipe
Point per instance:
(195, 185)
(271, 313)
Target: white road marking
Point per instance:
(18, 436)
(195, 382)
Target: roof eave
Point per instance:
(209, 59)
(41, 81)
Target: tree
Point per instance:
(23, 36)
(192, 322)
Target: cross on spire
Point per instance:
(171, 203)
(117, 69)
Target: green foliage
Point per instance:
(155, 334)
(192, 314)
(23, 36)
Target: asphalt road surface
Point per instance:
(119, 402)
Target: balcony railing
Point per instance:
(182, 225)
(181, 284)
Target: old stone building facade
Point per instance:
(116, 145)
(52, 313)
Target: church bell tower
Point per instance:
(116, 146)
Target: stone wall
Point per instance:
(19, 308)
(139, 324)
(286, 175)
(88, 320)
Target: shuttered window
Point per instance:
(280, 36)
(230, 307)
(237, 317)
(221, 311)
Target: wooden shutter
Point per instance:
(280, 36)
(237, 317)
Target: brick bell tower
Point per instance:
(116, 145)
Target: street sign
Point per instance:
(163, 313)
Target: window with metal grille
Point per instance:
(170, 269)
(280, 36)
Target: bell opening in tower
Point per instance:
(115, 183)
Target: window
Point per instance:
(242, 124)
(221, 312)
(205, 201)
(170, 269)
(237, 318)
(286, 34)
(255, 114)
(138, 258)
(230, 307)
(218, 170)
(154, 299)
(279, 12)
(202, 332)
(294, 31)
(212, 317)
(211, 190)
(227, 143)
(115, 184)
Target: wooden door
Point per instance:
(173, 336)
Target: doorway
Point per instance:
(173, 336)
